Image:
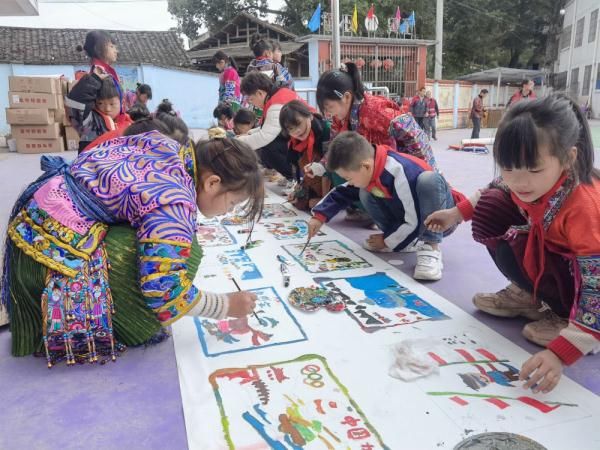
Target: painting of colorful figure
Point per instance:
(289, 229)
(326, 256)
(295, 404)
(276, 211)
(211, 233)
(235, 264)
(272, 324)
(378, 301)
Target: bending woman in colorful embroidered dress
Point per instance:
(63, 292)
(341, 94)
(541, 224)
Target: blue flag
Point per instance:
(403, 29)
(411, 19)
(315, 21)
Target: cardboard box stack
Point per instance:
(37, 113)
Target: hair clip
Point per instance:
(338, 93)
(217, 133)
(343, 68)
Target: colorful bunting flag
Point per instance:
(315, 21)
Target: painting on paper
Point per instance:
(326, 256)
(478, 385)
(296, 404)
(288, 229)
(277, 211)
(211, 233)
(377, 301)
(231, 263)
(275, 326)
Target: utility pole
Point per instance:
(335, 34)
(439, 38)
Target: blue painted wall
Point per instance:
(194, 94)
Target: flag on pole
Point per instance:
(397, 19)
(371, 12)
(315, 21)
(355, 20)
(411, 19)
(403, 28)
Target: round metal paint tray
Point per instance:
(498, 441)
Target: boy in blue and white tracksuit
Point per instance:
(398, 191)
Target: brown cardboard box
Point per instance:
(71, 139)
(40, 145)
(36, 131)
(20, 116)
(34, 100)
(42, 84)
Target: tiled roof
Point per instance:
(58, 46)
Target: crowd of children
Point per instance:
(363, 153)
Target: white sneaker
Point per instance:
(414, 246)
(367, 246)
(429, 264)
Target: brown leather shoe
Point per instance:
(509, 302)
(544, 331)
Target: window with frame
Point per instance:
(593, 26)
(574, 81)
(587, 74)
(579, 32)
(565, 37)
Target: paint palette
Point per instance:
(377, 301)
(275, 326)
(296, 404)
(326, 256)
(211, 233)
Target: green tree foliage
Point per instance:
(478, 34)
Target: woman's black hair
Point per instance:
(333, 84)
(237, 166)
(144, 89)
(255, 81)
(177, 129)
(145, 125)
(555, 121)
(166, 107)
(223, 109)
(260, 45)
(107, 89)
(222, 56)
(244, 117)
(291, 113)
(95, 44)
(138, 111)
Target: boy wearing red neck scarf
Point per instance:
(398, 191)
(541, 224)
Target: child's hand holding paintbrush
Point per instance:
(241, 303)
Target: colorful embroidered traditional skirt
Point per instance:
(81, 313)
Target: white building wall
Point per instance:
(586, 54)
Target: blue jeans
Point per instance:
(433, 194)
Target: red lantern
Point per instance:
(376, 63)
(360, 63)
(388, 64)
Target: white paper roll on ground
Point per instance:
(483, 141)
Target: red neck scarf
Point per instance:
(534, 261)
(307, 145)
